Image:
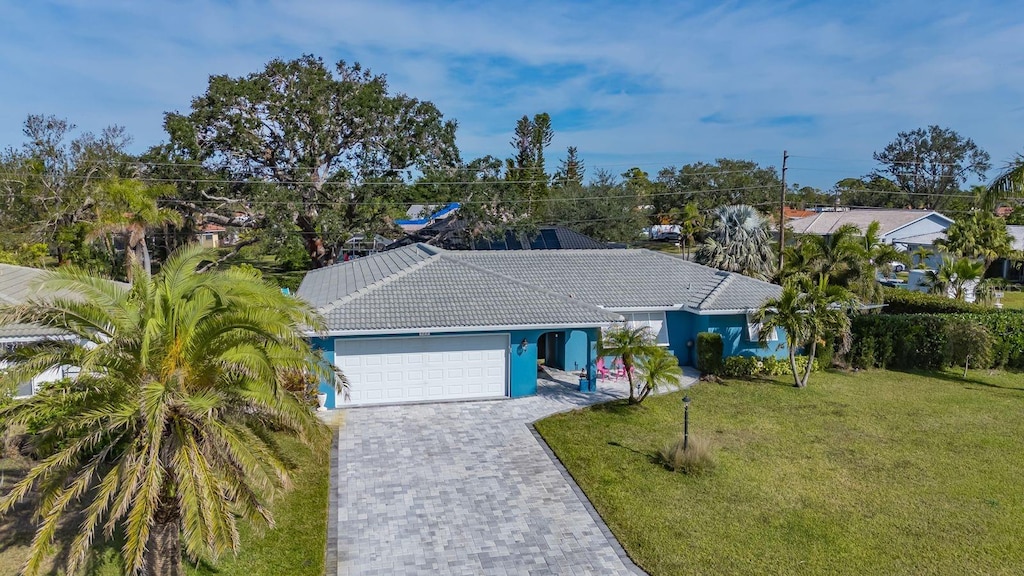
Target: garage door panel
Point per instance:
(423, 368)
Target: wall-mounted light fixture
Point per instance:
(523, 345)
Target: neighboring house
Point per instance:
(209, 235)
(424, 324)
(451, 234)
(421, 215)
(907, 230)
(1010, 269)
(17, 285)
(360, 245)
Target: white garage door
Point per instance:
(426, 368)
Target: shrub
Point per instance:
(709, 352)
(752, 366)
(969, 344)
(696, 459)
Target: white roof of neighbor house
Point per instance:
(424, 287)
(890, 220)
(1018, 236)
(922, 239)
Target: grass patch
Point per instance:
(294, 547)
(870, 473)
(1013, 300)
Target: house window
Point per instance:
(653, 320)
(754, 330)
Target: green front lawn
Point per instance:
(870, 473)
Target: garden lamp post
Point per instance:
(686, 422)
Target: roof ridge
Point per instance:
(717, 290)
(535, 288)
(374, 285)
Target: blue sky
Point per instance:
(641, 83)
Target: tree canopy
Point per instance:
(324, 149)
(930, 164)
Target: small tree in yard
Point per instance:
(785, 312)
(628, 344)
(968, 343)
(657, 368)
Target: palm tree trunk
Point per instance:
(147, 262)
(810, 362)
(163, 555)
(792, 365)
(628, 366)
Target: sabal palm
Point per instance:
(164, 432)
(739, 240)
(656, 369)
(627, 344)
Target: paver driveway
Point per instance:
(465, 488)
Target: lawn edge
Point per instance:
(331, 546)
(627, 561)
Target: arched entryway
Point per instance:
(551, 350)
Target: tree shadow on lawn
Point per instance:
(651, 458)
(959, 380)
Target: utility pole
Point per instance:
(782, 213)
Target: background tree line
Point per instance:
(301, 155)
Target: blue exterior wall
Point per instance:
(577, 350)
(326, 348)
(733, 329)
(682, 328)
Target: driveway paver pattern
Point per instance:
(466, 488)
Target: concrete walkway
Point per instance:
(465, 488)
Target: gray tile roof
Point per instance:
(19, 284)
(889, 220)
(446, 293)
(420, 286)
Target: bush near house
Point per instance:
(919, 341)
(753, 366)
(709, 352)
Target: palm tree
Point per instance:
(1006, 186)
(739, 241)
(809, 313)
(128, 207)
(785, 312)
(657, 368)
(921, 255)
(628, 344)
(825, 309)
(838, 254)
(164, 431)
(691, 225)
(955, 276)
(980, 236)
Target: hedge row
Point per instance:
(900, 301)
(909, 341)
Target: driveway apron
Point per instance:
(465, 488)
